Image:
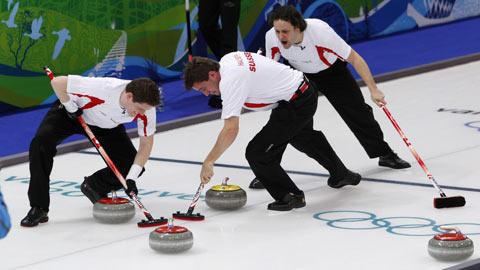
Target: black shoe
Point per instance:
(34, 216)
(288, 202)
(256, 184)
(350, 179)
(89, 192)
(393, 161)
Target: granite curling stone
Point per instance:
(226, 197)
(171, 239)
(450, 246)
(113, 210)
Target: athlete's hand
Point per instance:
(206, 173)
(74, 115)
(378, 97)
(131, 187)
(72, 109)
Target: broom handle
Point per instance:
(414, 153)
(189, 38)
(195, 199)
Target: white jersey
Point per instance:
(255, 82)
(319, 49)
(99, 99)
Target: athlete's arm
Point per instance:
(270, 52)
(364, 71)
(59, 85)
(225, 139)
(144, 150)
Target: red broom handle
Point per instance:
(414, 153)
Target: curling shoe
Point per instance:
(393, 161)
(351, 178)
(34, 216)
(256, 184)
(288, 202)
(89, 192)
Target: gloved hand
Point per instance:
(72, 109)
(74, 115)
(131, 186)
(215, 102)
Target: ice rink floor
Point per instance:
(338, 229)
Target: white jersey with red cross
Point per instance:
(319, 49)
(254, 82)
(99, 99)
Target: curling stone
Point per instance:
(450, 246)
(113, 210)
(171, 239)
(226, 197)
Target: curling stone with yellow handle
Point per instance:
(226, 197)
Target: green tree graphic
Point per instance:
(19, 44)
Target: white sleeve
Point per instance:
(78, 86)
(84, 85)
(271, 45)
(147, 123)
(74, 83)
(234, 95)
(331, 40)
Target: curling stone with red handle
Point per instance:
(450, 246)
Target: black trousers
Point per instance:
(54, 128)
(291, 122)
(220, 40)
(343, 92)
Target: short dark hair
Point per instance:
(289, 14)
(197, 70)
(144, 90)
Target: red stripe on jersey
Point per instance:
(142, 117)
(256, 105)
(321, 53)
(93, 101)
(275, 50)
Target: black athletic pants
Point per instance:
(291, 122)
(343, 92)
(224, 40)
(54, 128)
